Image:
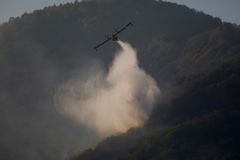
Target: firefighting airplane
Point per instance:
(113, 36)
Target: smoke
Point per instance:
(112, 101)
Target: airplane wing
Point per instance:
(125, 27)
(108, 39)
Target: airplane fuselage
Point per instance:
(114, 38)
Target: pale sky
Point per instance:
(14, 8)
(228, 10)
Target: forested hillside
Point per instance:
(193, 57)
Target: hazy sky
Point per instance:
(13, 8)
(228, 10)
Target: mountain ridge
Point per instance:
(193, 57)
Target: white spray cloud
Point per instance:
(112, 102)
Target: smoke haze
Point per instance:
(110, 102)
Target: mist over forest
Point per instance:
(168, 91)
